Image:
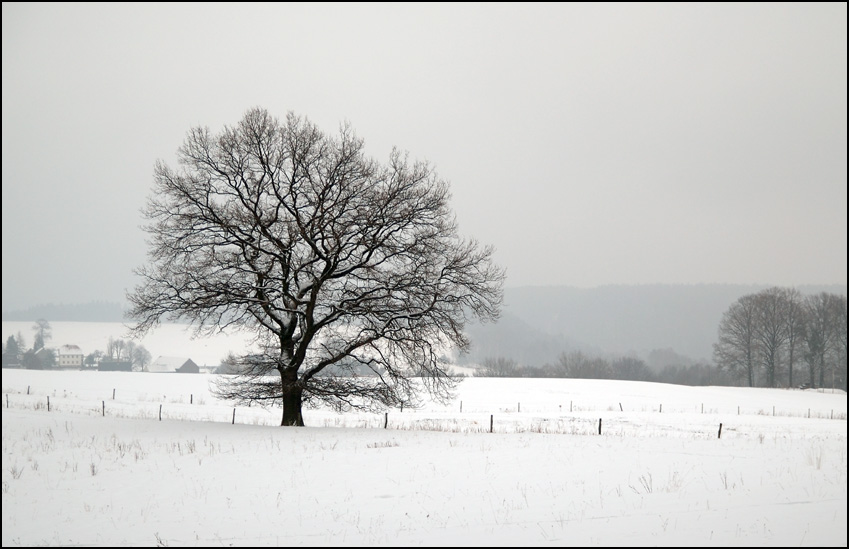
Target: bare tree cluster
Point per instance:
(500, 367)
(334, 261)
(765, 338)
(124, 350)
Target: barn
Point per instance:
(172, 364)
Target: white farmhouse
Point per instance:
(69, 357)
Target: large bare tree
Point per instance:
(795, 318)
(334, 261)
(771, 308)
(821, 334)
(841, 340)
(737, 349)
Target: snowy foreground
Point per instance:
(101, 471)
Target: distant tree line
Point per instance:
(778, 338)
(95, 311)
(584, 366)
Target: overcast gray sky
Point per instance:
(591, 144)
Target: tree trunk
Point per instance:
(771, 372)
(750, 376)
(790, 368)
(292, 409)
(292, 394)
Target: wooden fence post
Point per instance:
(490, 423)
(48, 403)
(620, 407)
(385, 420)
(113, 394)
(599, 425)
(234, 416)
(661, 408)
(103, 402)
(719, 435)
(160, 412)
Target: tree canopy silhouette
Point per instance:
(337, 263)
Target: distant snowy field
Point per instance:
(101, 471)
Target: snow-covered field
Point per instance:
(97, 470)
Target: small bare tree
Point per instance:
(140, 357)
(327, 256)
